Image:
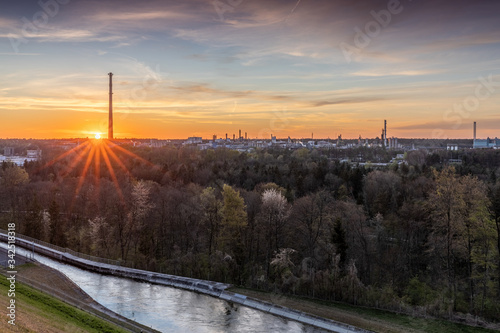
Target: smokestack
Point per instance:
(110, 123)
(385, 133)
(474, 142)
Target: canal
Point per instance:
(169, 309)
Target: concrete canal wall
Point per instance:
(215, 289)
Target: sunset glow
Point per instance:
(287, 68)
(92, 154)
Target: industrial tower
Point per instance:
(110, 123)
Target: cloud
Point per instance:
(63, 35)
(346, 101)
(7, 22)
(384, 72)
(307, 34)
(132, 16)
(307, 100)
(58, 34)
(424, 126)
(388, 72)
(482, 123)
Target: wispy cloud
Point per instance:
(389, 72)
(133, 16)
(59, 34)
(309, 100)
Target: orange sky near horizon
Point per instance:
(67, 123)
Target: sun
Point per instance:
(97, 136)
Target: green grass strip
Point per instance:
(57, 310)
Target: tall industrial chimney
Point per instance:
(474, 142)
(385, 133)
(110, 123)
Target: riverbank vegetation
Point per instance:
(420, 237)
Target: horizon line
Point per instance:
(236, 139)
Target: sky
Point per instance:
(283, 67)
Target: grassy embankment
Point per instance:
(370, 319)
(39, 312)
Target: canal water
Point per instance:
(169, 309)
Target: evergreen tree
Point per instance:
(57, 228)
(339, 239)
(34, 217)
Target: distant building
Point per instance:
(451, 146)
(482, 144)
(258, 144)
(204, 146)
(193, 140)
(393, 143)
(399, 159)
(8, 151)
(32, 155)
(35, 153)
(323, 144)
(488, 143)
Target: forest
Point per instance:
(421, 237)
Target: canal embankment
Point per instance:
(53, 283)
(214, 289)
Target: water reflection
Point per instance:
(172, 310)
